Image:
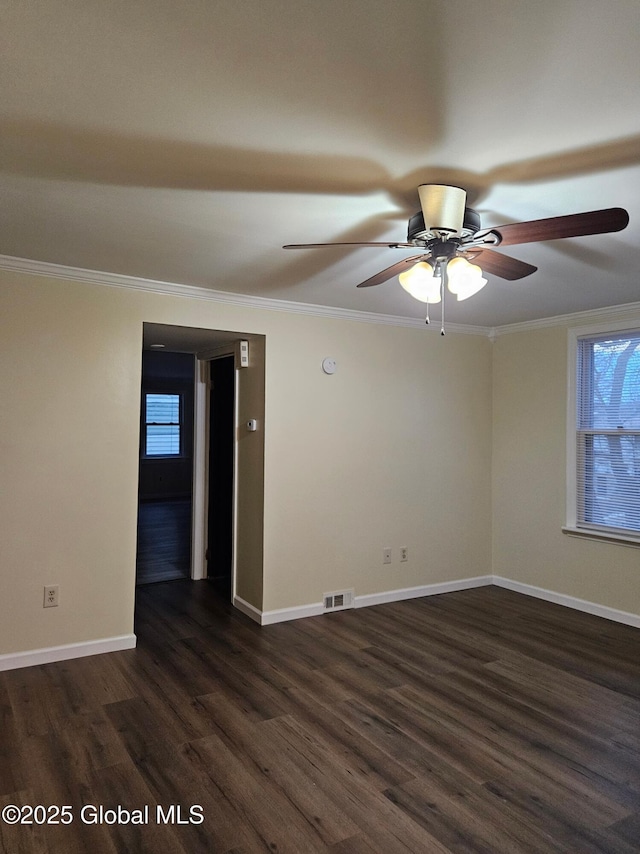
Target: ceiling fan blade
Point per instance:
(502, 265)
(555, 227)
(394, 270)
(378, 245)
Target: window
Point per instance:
(607, 433)
(163, 425)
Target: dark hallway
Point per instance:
(166, 467)
(164, 540)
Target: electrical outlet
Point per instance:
(404, 554)
(50, 596)
(386, 555)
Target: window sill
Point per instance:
(603, 536)
(163, 458)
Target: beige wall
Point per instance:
(393, 450)
(454, 447)
(70, 378)
(529, 477)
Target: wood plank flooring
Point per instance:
(479, 722)
(164, 540)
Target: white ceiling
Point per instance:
(187, 141)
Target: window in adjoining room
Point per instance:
(163, 425)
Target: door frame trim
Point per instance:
(200, 507)
(200, 496)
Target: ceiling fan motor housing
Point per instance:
(418, 232)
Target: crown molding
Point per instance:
(13, 264)
(576, 318)
(117, 280)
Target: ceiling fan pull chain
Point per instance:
(443, 276)
(427, 321)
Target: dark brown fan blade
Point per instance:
(555, 227)
(317, 245)
(394, 270)
(502, 265)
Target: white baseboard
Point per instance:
(247, 608)
(569, 601)
(266, 618)
(295, 613)
(424, 590)
(13, 660)
(280, 615)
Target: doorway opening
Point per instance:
(165, 467)
(206, 523)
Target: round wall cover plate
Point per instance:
(329, 366)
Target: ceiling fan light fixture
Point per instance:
(443, 208)
(464, 279)
(420, 282)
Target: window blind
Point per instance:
(608, 432)
(162, 421)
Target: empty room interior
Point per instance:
(320, 427)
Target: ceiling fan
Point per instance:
(449, 237)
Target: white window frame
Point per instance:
(575, 334)
(145, 424)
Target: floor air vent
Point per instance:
(338, 601)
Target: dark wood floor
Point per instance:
(164, 540)
(479, 721)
